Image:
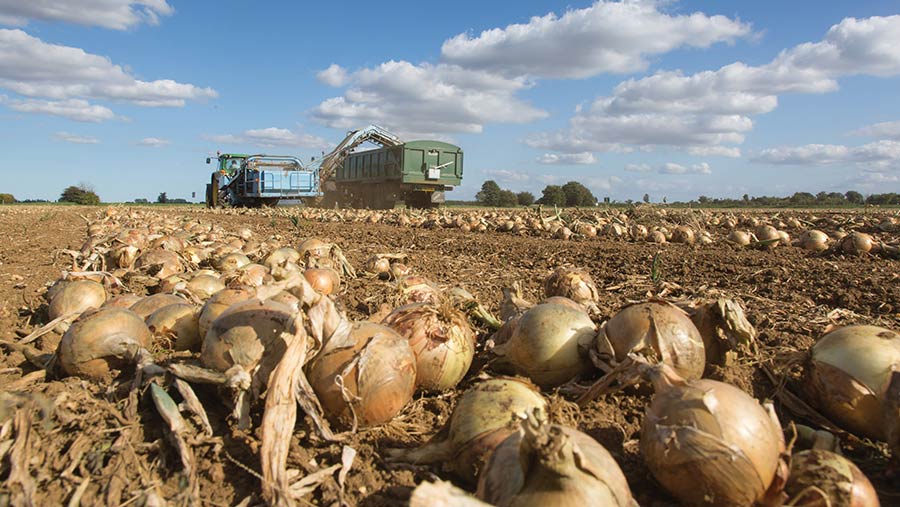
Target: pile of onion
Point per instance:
(548, 343)
(441, 339)
(709, 443)
(546, 464)
(367, 377)
(484, 416)
(656, 329)
(848, 373)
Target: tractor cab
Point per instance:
(259, 180)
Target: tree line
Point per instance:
(851, 197)
(570, 194)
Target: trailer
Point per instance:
(259, 180)
(416, 172)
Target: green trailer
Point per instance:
(416, 172)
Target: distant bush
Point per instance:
(81, 194)
(7, 199)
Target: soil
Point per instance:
(85, 439)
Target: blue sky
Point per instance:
(674, 99)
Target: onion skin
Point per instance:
(325, 281)
(552, 465)
(76, 297)
(709, 443)
(441, 339)
(204, 286)
(573, 283)
(484, 416)
(848, 374)
(244, 333)
(378, 373)
(178, 321)
(658, 328)
(838, 478)
(101, 341)
(548, 343)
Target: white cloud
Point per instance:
(414, 99)
(115, 14)
(154, 142)
(334, 75)
(73, 109)
(75, 138)
(508, 176)
(709, 151)
(878, 155)
(271, 137)
(638, 168)
(708, 111)
(584, 158)
(602, 183)
(673, 168)
(883, 130)
(605, 37)
(33, 68)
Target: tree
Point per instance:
(162, 198)
(802, 198)
(7, 199)
(525, 198)
(854, 197)
(647, 198)
(507, 199)
(141, 201)
(81, 194)
(578, 195)
(489, 194)
(553, 195)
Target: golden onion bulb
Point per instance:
(573, 283)
(76, 297)
(848, 374)
(101, 341)
(822, 478)
(177, 322)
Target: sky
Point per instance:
(674, 99)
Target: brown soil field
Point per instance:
(76, 438)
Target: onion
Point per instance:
(658, 329)
(246, 343)
(573, 283)
(325, 281)
(150, 304)
(848, 374)
(548, 343)
(101, 341)
(822, 478)
(683, 234)
(709, 443)
(814, 240)
(551, 465)
(231, 262)
(218, 303)
(160, 263)
(177, 322)
(76, 297)
(204, 286)
(418, 289)
(656, 236)
(740, 238)
(441, 339)
(857, 243)
(281, 257)
(484, 416)
(123, 301)
(370, 380)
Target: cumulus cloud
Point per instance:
(708, 111)
(426, 98)
(334, 75)
(115, 14)
(673, 168)
(271, 137)
(884, 130)
(507, 176)
(878, 155)
(605, 37)
(584, 158)
(75, 138)
(73, 109)
(33, 68)
(638, 168)
(709, 151)
(154, 142)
